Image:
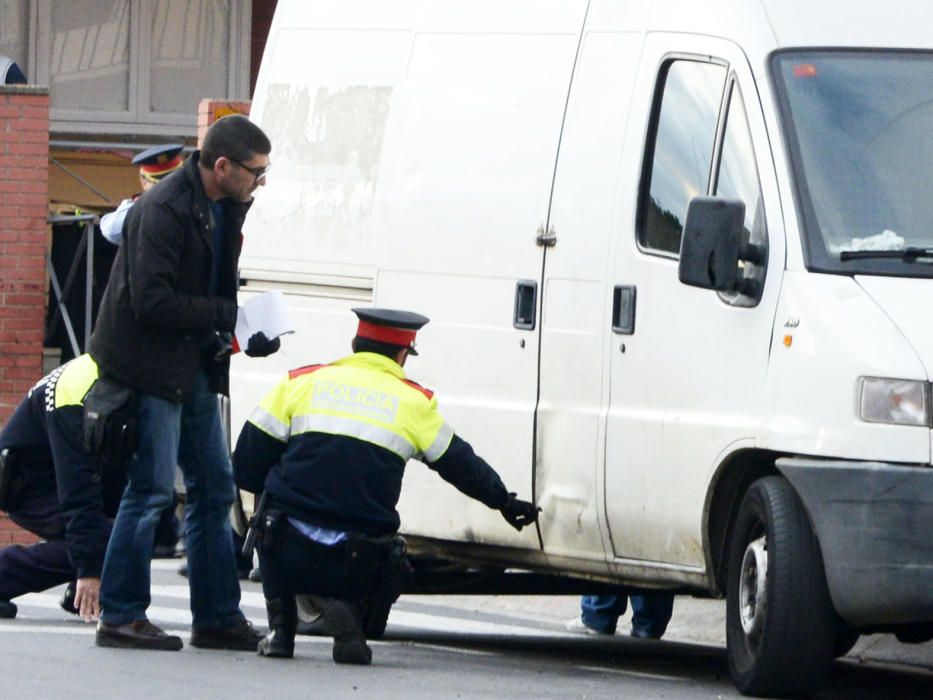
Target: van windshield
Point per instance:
(860, 129)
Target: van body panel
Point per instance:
(894, 24)
(837, 333)
(872, 520)
(670, 378)
(441, 158)
(502, 91)
(570, 435)
(907, 302)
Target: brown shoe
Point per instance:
(140, 634)
(241, 636)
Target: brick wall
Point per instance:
(209, 111)
(24, 154)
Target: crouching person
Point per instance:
(63, 485)
(329, 445)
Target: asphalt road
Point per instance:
(435, 647)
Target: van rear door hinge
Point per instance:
(547, 240)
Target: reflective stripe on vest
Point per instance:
(350, 427)
(269, 424)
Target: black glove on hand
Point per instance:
(260, 346)
(519, 513)
(219, 346)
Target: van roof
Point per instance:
(763, 26)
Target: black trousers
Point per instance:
(293, 564)
(40, 566)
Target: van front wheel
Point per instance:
(780, 623)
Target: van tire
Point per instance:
(780, 629)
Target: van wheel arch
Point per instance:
(733, 478)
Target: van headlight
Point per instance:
(896, 401)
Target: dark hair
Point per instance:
(368, 345)
(233, 136)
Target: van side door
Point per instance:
(687, 365)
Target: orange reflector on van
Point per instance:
(788, 340)
(804, 70)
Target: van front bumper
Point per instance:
(874, 522)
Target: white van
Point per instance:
(677, 257)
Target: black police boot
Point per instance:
(345, 620)
(7, 610)
(67, 603)
(283, 618)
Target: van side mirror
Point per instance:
(711, 242)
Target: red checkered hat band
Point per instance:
(403, 337)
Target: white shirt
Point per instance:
(111, 225)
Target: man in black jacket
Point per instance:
(163, 329)
(58, 491)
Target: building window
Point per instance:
(137, 66)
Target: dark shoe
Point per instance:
(140, 634)
(283, 617)
(345, 620)
(642, 633)
(255, 575)
(67, 602)
(183, 569)
(7, 610)
(241, 636)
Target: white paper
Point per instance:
(266, 312)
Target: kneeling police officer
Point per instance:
(57, 487)
(328, 446)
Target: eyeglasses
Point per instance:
(258, 173)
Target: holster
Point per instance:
(271, 530)
(373, 557)
(9, 480)
(109, 429)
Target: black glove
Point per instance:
(519, 513)
(218, 346)
(260, 346)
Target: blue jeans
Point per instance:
(191, 435)
(650, 613)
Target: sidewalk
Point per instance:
(695, 620)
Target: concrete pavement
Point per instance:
(695, 620)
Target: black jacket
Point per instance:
(156, 316)
(44, 434)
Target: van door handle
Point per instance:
(526, 305)
(623, 309)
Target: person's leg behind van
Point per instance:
(600, 613)
(651, 613)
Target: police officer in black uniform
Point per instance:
(52, 486)
(328, 446)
